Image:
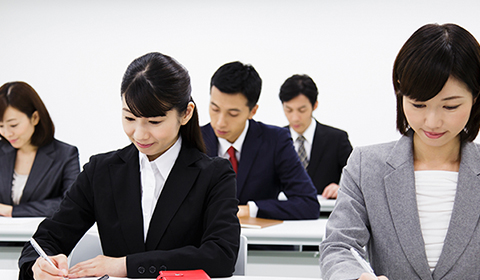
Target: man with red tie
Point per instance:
(262, 155)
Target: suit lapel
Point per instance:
(7, 164)
(125, 178)
(43, 161)
(465, 213)
(317, 149)
(179, 182)
(402, 201)
(250, 148)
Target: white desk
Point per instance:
(305, 232)
(18, 229)
(12, 274)
(326, 205)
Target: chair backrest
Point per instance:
(87, 248)
(241, 265)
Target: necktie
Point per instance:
(302, 154)
(233, 158)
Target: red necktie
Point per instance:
(233, 158)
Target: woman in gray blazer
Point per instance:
(413, 204)
(36, 170)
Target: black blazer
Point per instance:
(267, 166)
(194, 225)
(330, 151)
(54, 170)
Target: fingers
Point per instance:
(43, 270)
(99, 266)
(331, 191)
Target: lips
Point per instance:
(433, 135)
(144, 146)
(221, 132)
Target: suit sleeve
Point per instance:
(294, 181)
(60, 233)
(347, 227)
(219, 243)
(68, 172)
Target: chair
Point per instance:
(87, 248)
(241, 264)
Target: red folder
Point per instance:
(198, 274)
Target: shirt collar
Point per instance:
(223, 144)
(164, 162)
(309, 133)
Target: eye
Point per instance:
(129, 119)
(13, 125)
(418, 106)
(155, 122)
(451, 107)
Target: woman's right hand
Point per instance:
(42, 270)
(368, 276)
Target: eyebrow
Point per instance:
(301, 107)
(452, 97)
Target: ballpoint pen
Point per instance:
(41, 252)
(362, 262)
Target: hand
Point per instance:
(42, 270)
(331, 191)
(6, 210)
(368, 276)
(243, 211)
(99, 266)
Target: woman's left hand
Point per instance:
(99, 266)
(6, 210)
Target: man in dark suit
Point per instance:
(262, 155)
(323, 150)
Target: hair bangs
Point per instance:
(142, 101)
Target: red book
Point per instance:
(198, 274)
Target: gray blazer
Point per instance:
(55, 168)
(377, 208)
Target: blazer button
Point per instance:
(141, 269)
(152, 269)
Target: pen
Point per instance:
(104, 277)
(41, 252)
(362, 262)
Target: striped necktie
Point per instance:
(233, 158)
(302, 154)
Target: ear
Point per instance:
(188, 113)
(253, 112)
(315, 105)
(35, 119)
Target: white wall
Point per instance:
(74, 54)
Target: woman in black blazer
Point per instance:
(184, 218)
(36, 170)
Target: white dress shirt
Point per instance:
(153, 175)
(18, 184)
(223, 146)
(308, 134)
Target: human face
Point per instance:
(299, 111)
(438, 121)
(153, 136)
(229, 114)
(17, 128)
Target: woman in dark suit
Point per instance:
(36, 170)
(159, 203)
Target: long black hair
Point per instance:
(154, 84)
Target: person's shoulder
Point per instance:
(331, 130)
(270, 129)
(62, 145)
(114, 156)
(375, 151)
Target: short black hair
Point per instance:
(425, 62)
(236, 77)
(296, 85)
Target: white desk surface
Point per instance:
(303, 232)
(18, 229)
(326, 205)
(12, 274)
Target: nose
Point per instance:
(140, 133)
(295, 116)
(221, 121)
(433, 119)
